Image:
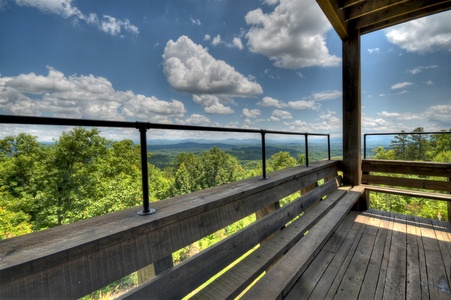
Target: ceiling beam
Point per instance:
(402, 12)
(405, 18)
(335, 16)
(369, 7)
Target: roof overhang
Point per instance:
(364, 16)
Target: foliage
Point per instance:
(414, 146)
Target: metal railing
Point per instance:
(144, 126)
(397, 133)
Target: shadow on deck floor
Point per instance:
(381, 255)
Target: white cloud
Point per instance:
(374, 50)
(401, 85)
(429, 34)
(207, 37)
(216, 40)
(302, 104)
(64, 8)
(251, 113)
(198, 120)
(190, 68)
(195, 21)
(329, 123)
(278, 115)
(212, 104)
(405, 116)
(293, 35)
(87, 97)
(327, 95)
(268, 101)
(440, 114)
(418, 70)
(237, 43)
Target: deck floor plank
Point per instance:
(369, 285)
(362, 219)
(381, 255)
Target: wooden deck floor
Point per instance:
(381, 255)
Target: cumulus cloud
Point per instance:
(89, 97)
(278, 115)
(197, 120)
(401, 85)
(328, 122)
(216, 40)
(268, 101)
(64, 8)
(439, 114)
(190, 68)
(429, 34)
(374, 50)
(251, 113)
(293, 35)
(212, 104)
(302, 104)
(308, 103)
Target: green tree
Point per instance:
(381, 153)
(70, 178)
(418, 145)
(399, 145)
(280, 160)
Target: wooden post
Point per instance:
(351, 111)
(449, 205)
(352, 108)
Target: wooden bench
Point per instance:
(282, 251)
(73, 260)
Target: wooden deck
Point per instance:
(381, 255)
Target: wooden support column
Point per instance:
(449, 205)
(351, 110)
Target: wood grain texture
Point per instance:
(282, 276)
(73, 260)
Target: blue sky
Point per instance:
(246, 64)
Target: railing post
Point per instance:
(263, 154)
(328, 146)
(144, 172)
(306, 149)
(364, 146)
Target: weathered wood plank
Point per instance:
(410, 193)
(444, 245)
(387, 224)
(310, 278)
(434, 185)
(346, 258)
(73, 260)
(413, 277)
(368, 288)
(353, 278)
(282, 276)
(333, 268)
(395, 282)
(407, 167)
(210, 261)
(436, 274)
(238, 278)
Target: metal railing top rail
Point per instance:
(144, 126)
(396, 133)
